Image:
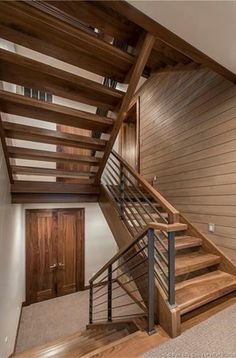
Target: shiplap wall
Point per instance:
(188, 141)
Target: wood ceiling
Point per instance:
(102, 37)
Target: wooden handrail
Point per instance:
(173, 213)
(120, 253)
(168, 227)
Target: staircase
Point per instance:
(190, 271)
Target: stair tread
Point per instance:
(194, 261)
(184, 242)
(197, 291)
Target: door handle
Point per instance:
(61, 265)
(53, 266)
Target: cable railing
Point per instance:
(125, 287)
(140, 205)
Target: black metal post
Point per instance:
(122, 191)
(171, 268)
(109, 294)
(151, 282)
(91, 303)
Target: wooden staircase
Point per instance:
(202, 273)
(86, 343)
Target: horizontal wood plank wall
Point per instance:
(188, 141)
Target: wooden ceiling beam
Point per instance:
(44, 33)
(26, 72)
(136, 73)
(21, 186)
(45, 155)
(95, 14)
(49, 197)
(17, 104)
(35, 134)
(162, 33)
(26, 170)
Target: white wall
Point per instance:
(11, 255)
(210, 26)
(11, 263)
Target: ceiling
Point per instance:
(210, 26)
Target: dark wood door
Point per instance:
(54, 253)
(70, 262)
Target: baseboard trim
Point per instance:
(23, 304)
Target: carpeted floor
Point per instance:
(59, 317)
(48, 320)
(213, 338)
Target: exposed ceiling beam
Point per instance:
(94, 14)
(14, 67)
(45, 33)
(18, 169)
(35, 134)
(21, 186)
(17, 104)
(45, 155)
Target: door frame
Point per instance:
(80, 250)
(135, 106)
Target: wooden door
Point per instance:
(54, 253)
(41, 254)
(70, 275)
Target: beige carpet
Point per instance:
(49, 320)
(213, 338)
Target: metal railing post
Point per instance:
(171, 268)
(122, 191)
(91, 302)
(151, 282)
(109, 294)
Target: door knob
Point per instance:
(53, 266)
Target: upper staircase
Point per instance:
(82, 51)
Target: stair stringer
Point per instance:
(226, 264)
(111, 214)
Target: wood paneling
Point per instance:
(188, 141)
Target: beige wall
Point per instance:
(210, 26)
(188, 141)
